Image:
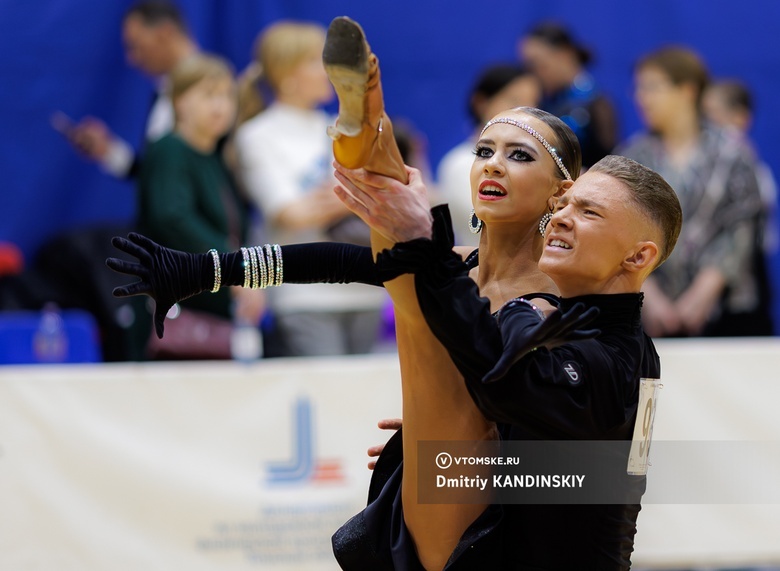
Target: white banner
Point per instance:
(206, 466)
(197, 466)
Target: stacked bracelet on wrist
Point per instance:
(263, 266)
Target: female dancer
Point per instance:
(517, 173)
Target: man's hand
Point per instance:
(91, 138)
(399, 212)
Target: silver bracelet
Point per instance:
(217, 271)
(254, 282)
(263, 267)
(279, 265)
(247, 268)
(269, 262)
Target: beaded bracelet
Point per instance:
(247, 268)
(217, 271)
(279, 265)
(263, 266)
(255, 281)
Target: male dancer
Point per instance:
(610, 230)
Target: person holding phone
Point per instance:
(156, 38)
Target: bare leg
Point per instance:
(436, 404)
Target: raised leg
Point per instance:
(436, 404)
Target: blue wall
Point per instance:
(66, 55)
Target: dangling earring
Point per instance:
(544, 222)
(475, 224)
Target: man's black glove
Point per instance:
(523, 332)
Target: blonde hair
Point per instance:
(279, 49)
(196, 68)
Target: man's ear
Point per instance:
(642, 257)
(563, 186)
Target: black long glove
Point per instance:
(169, 276)
(520, 336)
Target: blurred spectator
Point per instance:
(156, 39)
(286, 159)
(570, 91)
(729, 104)
(498, 87)
(708, 286)
(187, 196)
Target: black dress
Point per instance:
(537, 400)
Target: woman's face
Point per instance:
(513, 176)
(208, 107)
(657, 98)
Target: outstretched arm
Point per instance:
(170, 276)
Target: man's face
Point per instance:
(146, 47)
(595, 228)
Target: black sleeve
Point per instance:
(449, 298)
(553, 388)
(316, 262)
(329, 262)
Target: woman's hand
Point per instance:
(375, 451)
(167, 276)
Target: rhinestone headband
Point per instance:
(531, 131)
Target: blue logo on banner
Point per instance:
(303, 467)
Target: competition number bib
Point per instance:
(643, 429)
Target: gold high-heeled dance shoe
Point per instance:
(363, 134)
